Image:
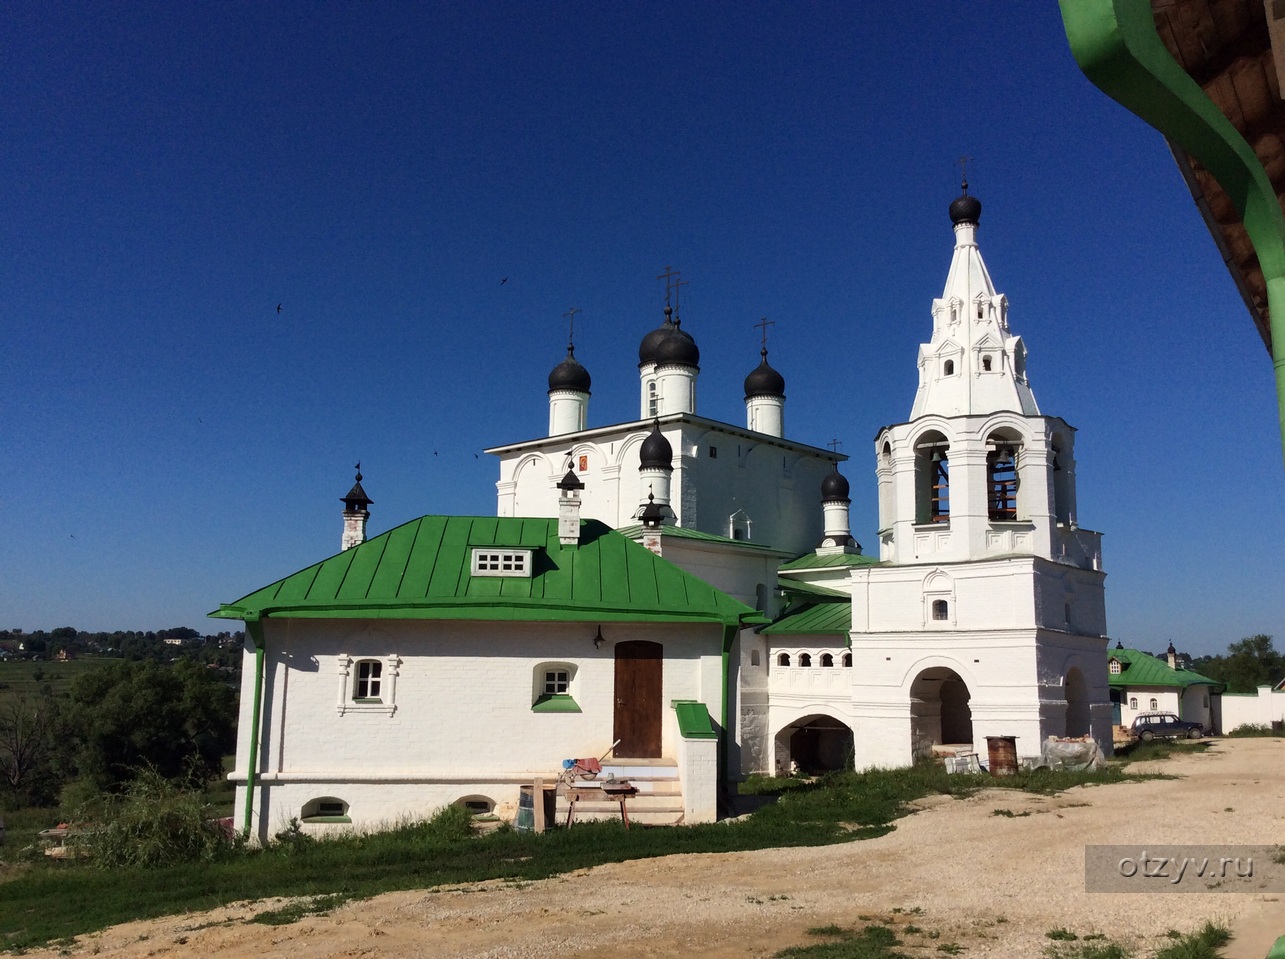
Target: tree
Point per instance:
(178, 720)
(27, 750)
(1249, 663)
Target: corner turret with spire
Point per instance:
(355, 514)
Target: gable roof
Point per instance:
(813, 561)
(1142, 669)
(818, 619)
(634, 530)
(422, 570)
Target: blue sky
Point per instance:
(172, 172)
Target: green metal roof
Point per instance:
(824, 619)
(682, 532)
(1143, 669)
(422, 570)
(813, 561)
(802, 589)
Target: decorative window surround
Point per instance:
(501, 562)
(387, 701)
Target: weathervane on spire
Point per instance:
(571, 325)
(763, 324)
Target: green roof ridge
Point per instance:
(422, 570)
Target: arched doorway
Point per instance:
(1077, 703)
(939, 710)
(815, 744)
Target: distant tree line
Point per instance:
(221, 649)
(1248, 664)
(166, 709)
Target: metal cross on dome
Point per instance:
(571, 323)
(763, 324)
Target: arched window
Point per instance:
(369, 673)
(847, 660)
(827, 660)
(941, 609)
(553, 688)
(783, 659)
(932, 479)
(1154, 704)
(1001, 482)
(805, 659)
(986, 360)
(653, 401)
(1133, 702)
(948, 369)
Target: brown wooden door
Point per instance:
(639, 667)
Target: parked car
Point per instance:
(1149, 726)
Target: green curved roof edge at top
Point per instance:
(423, 570)
(1116, 45)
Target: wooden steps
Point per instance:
(659, 801)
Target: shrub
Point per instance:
(1255, 729)
(155, 823)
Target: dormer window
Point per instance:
(1114, 667)
(494, 562)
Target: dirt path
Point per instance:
(955, 870)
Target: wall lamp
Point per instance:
(598, 640)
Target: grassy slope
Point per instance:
(54, 901)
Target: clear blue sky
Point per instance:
(172, 172)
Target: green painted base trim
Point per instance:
(368, 702)
(559, 703)
(693, 720)
(324, 819)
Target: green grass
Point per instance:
(19, 678)
(1159, 749)
(49, 900)
(872, 942)
(1203, 944)
(1087, 950)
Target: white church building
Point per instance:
(737, 627)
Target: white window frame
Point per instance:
(348, 668)
(544, 688)
(493, 561)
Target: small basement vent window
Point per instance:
(326, 809)
(514, 562)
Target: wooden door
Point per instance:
(639, 669)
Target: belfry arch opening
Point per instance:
(1003, 449)
(813, 745)
(940, 714)
(932, 479)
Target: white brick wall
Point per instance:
(461, 723)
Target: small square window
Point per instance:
(556, 682)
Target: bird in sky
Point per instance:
(278, 307)
(503, 281)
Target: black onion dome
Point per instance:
(569, 374)
(655, 452)
(965, 208)
(678, 349)
(834, 487)
(669, 345)
(763, 380)
(650, 344)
